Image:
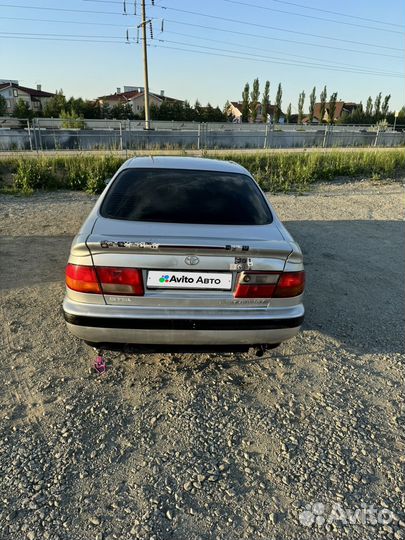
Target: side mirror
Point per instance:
(107, 181)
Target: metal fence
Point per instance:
(42, 134)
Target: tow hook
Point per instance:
(261, 349)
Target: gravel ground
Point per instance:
(199, 446)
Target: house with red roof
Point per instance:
(12, 92)
(342, 108)
(135, 97)
(235, 111)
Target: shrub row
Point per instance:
(285, 171)
(274, 171)
(81, 173)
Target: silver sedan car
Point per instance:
(184, 251)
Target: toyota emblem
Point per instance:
(191, 260)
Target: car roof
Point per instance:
(191, 163)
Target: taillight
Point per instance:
(82, 279)
(127, 281)
(290, 284)
(104, 279)
(270, 284)
(256, 285)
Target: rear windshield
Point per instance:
(185, 196)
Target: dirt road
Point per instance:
(210, 446)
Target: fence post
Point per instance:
(199, 137)
(35, 136)
(376, 136)
(39, 134)
(127, 128)
(29, 133)
(325, 137)
(121, 145)
(266, 132)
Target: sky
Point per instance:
(208, 50)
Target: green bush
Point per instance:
(100, 170)
(32, 174)
(285, 171)
(274, 171)
(71, 120)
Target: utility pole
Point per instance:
(145, 65)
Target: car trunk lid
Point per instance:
(186, 249)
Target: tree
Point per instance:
(301, 101)
(84, 108)
(312, 100)
(154, 112)
(183, 112)
(254, 97)
(377, 106)
(22, 110)
(55, 105)
(197, 111)
(245, 103)
(369, 107)
(277, 111)
(355, 117)
(332, 108)
(288, 115)
(121, 111)
(265, 101)
(226, 110)
(385, 105)
(3, 106)
(323, 97)
(70, 119)
(188, 112)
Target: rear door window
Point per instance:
(186, 196)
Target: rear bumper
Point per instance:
(182, 337)
(104, 324)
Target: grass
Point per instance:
(274, 171)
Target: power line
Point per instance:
(257, 25)
(174, 33)
(89, 23)
(257, 6)
(259, 60)
(284, 2)
(198, 26)
(306, 57)
(20, 6)
(255, 58)
(38, 38)
(339, 13)
(349, 69)
(238, 32)
(313, 16)
(226, 19)
(60, 35)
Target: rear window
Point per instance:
(185, 196)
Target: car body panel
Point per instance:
(167, 247)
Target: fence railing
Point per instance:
(42, 134)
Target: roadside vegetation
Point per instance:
(274, 171)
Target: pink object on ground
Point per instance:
(99, 365)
